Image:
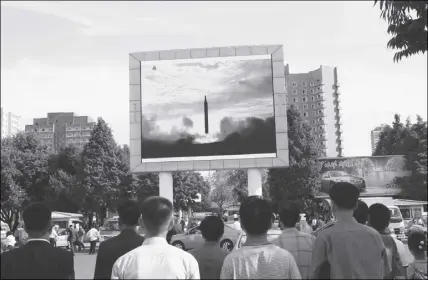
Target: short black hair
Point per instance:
(212, 228)
(37, 217)
(361, 214)
(379, 216)
(256, 215)
(156, 212)
(417, 240)
(9, 233)
(344, 195)
(289, 214)
(129, 212)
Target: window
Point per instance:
(304, 84)
(314, 121)
(305, 106)
(313, 98)
(304, 99)
(321, 127)
(294, 92)
(319, 111)
(294, 84)
(320, 119)
(320, 136)
(304, 91)
(305, 114)
(313, 106)
(319, 104)
(285, 84)
(295, 100)
(311, 91)
(312, 83)
(319, 96)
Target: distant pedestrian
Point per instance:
(128, 239)
(10, 241)
(417, 242)
(72, 237)
(94, 236)
(210, 256)
(156, 259)
(258, 258)
(379, 216)
(347, 249)
(236, 223)
(54, 235)
(304, 226)
(298, 243)
(37, 259)
(80, 236)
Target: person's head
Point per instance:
(235, 217)
(344, 197)
(361, 214)
(70, 226)
(9, 233)
(38, 220)
(379, 216)
(212, 228)
(417, 242)
(156, 215)
(289, 214)
(129, 213)
(255, 214)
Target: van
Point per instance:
(396, 223)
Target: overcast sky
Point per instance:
(74, 56)
(173, 94)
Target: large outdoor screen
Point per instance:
(207, 109)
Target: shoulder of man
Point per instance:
(328, 226)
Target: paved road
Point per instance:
(84, 264)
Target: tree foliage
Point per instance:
(301, 180)
(221, 193)
(24, 175)
(186, 186)
(407, 23)
(409, 140)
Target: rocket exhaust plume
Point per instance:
(206, 114)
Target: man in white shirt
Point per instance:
(156, 259)
(94, 236)
(53, 237)
(236, 223)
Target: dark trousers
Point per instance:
(92, 248)
(80, 245)
(71, 246)
(52, 241)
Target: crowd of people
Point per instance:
(356, 245)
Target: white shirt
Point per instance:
(406, 259)
(237, 225)
(93, 234)
(10, 241)
(53, 234)
(156, 259)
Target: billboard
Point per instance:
(208, 109)
(373, 175)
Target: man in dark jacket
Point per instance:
(37, 259)
(110, 250)
(72, 237)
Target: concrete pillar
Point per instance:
(254, 182)
(165, 186)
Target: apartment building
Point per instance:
(375, 134)
(316, 95)
(10, 123)
(60, 129)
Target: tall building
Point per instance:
(316, 95)
(10, 123)
(62, 128)
(375, 134)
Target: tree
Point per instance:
(301, 180)
(103, 170)
(221, 193)
(238, 180)
(24, 175)
(187, 185)
(407, 22)
(409, 140)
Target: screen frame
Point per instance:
(279, 101)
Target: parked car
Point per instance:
(271, 236)
(193, 239)
(396, 223)
(331, 177)
(111, 229)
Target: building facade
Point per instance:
(375, 134)
(10, 123)
(60, 129)
(316, 95)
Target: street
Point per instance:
(84, 264)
